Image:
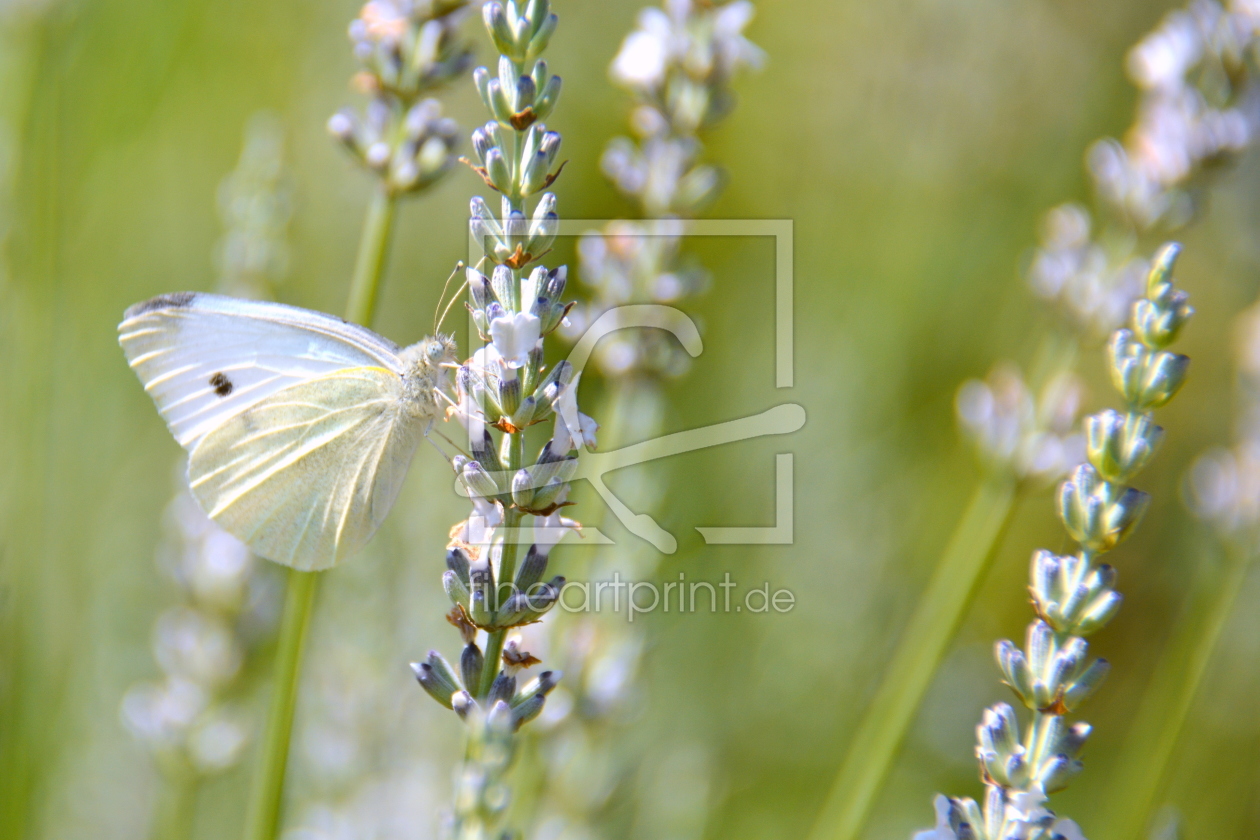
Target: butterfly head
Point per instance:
(430, 353)
(425, 363)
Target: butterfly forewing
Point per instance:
(306, 475)
(204, 358)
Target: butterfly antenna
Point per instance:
(454, 297)
(459, 266)
(458, 448)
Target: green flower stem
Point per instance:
(263, 821)
(507, 572)
(1167, 702)
(263, 818)
(489, 669)
(369, 266)
(174, 819)
(913, 665)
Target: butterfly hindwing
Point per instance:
(306, 475)
(204, 358)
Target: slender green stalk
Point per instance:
(37, 192)
(263, 819)
(369, 266)
(935, 621)
(1162, 715)
(507, 570)
(175, 815)
(919, 652)
(494, 652)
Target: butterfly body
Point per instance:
(299, 426)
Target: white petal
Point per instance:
(656, 22)
(588, 429)
(487, 360)
(941, 831)
(514, 336)
(733, 17)
(1028, 805)
(562, 440)
(567, 408)
(549, 530)
(641, 60)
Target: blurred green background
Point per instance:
(915, 146)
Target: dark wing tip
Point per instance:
(174, 300)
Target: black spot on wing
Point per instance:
(221, 384)
(174, 300)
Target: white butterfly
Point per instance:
(299, 426)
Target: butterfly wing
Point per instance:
(306, 475)
(204, 358)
